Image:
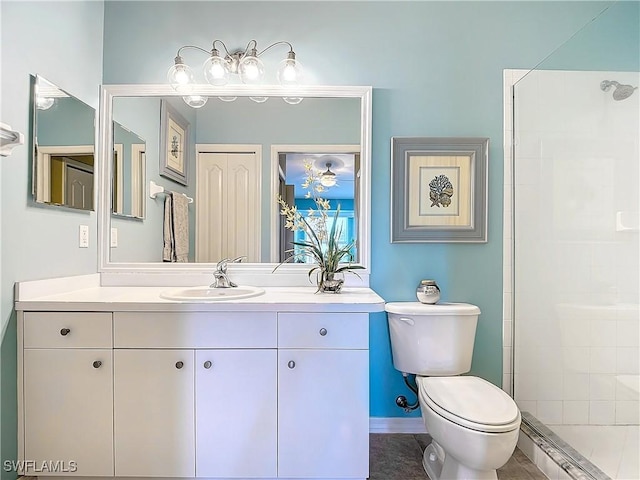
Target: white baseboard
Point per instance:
(396, 425)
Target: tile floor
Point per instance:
(399, 457)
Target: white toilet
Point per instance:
(474, 424)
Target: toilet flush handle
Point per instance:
(407, 320)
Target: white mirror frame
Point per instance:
(105, 140)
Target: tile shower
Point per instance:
(574, 299)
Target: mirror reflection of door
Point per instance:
(65, 176)
(228, 204)
(78, 185)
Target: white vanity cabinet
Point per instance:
(154, 420)
(67, 393)
(203, 394)
(323, 395)
(236, 410)
(195, 394)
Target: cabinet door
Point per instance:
(154, 413)
(236, 408)
(68, 411)
(323, 413)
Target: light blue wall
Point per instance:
(436, 69)
(62, 41)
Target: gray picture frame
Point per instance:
(174, 141)
(439, 189)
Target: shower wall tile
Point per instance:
(602, 412)
(550, 385)
(550, 360)
(602, 387)
(507, 330)
(576, 359)
(627, 333)
(526, 386)
(575, 412)
(627, 413)
(603, 333)
(506, 359)
(530, 406)
(628, 360)
(627, 387)
(506, 384)
(550, 411)
(576, 386)
(602, 360)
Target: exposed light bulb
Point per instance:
(251, 68)
(216, 69)
(289, 70)
(180, 77)
(228, 99)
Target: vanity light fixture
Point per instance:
(328, 178)
(246, 64)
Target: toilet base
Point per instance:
(440, 466)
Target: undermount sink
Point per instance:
(211, 294)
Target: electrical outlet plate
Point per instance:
(114, 237)
(84, 236)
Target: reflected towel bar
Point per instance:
(155, 189)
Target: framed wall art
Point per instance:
(174, 138)
(439, 189)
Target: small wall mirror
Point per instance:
(129, 173)
(63, 169)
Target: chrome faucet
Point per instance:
(221, 280)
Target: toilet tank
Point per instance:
(432, 340)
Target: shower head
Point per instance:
(621, 92)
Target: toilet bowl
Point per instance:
(474, 424)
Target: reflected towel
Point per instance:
(176, 228)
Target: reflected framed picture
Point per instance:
(174, 138)
(439, 189)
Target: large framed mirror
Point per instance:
(258, 148)
(63, 169)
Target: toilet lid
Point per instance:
(470, 402)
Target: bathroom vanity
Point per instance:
(118, 382)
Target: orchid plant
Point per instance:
(322, 244)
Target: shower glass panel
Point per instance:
(576, 245)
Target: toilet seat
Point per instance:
(470, 402)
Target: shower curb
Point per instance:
(566, 457)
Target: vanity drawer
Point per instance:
(195, 330)
(67, 330)
(323, 330)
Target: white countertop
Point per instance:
(99, 298)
